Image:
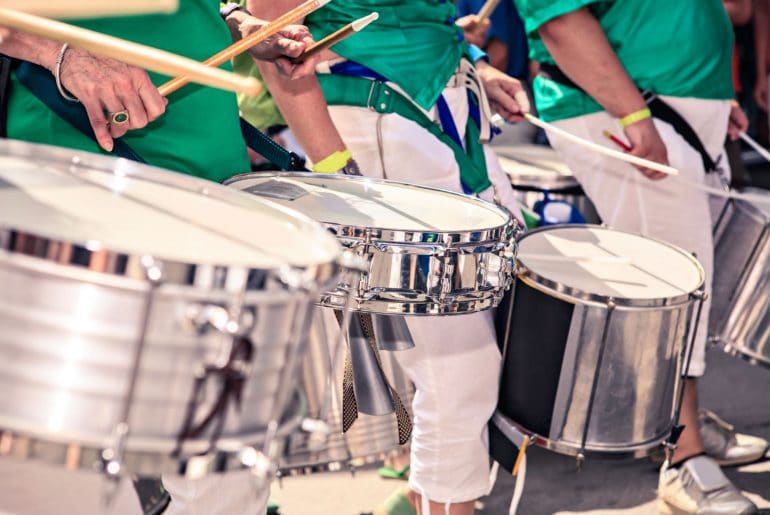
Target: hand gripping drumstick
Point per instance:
(638, 161)
(486, 9)
(127, 52)
(293, 16)
(334, 38)
(90, 8)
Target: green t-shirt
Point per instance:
(199, 134)
(680, 48)
(414, 43)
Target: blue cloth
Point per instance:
(506, 26)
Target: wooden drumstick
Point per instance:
(335, 37)
(293, 16)
(90, 8)
(486, 9)
(127, 52)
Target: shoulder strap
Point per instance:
(272, 151)
(659, 109)
(6, 66)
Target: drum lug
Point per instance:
(203, 316)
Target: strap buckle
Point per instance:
(380, 97)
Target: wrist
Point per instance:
(637, 116)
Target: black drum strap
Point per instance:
(659, 109)
(6, 65)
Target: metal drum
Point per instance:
(429, 251)
(146, 316)
(593, 340)
(324, 447)
(536, 170)
(740, 302)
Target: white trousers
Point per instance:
(33, 488)
(455, 362)
(669, 209)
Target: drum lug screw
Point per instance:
(579, 460)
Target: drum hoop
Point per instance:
(151, 456)
(394, 235)
(43, 244)
(575, 295)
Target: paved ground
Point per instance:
(733, 388)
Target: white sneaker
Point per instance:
(699, 487)
(727, 447)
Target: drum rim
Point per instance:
(569, 293)
(84, 254)
(450, 238)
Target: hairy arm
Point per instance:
(580, 48)
(300, 100)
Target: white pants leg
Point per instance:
(455, 363)
(231, 493)
(668, 209)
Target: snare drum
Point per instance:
(369, 437)
(740, 302)
(429, 251)
(538, 174)
(137, 303)
(593, 341)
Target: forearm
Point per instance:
(27, 47)
(580, 48)
(300, 101)
(498, 54)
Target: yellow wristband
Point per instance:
(636, 116)
(334, 162)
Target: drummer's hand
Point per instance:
(507, 96)
(646, 143)
(105, 86)
(474, 30)
(738, 122)
(282, 47)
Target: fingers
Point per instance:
(154, 103)
(98, 122)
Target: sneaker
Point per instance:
(699, 487)
(721, 442)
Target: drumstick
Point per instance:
(90, 8)
(638, 161)
(127, 52)
(334, 38)
(762, 151)
(615, 260)
(293, 16)
(487, 9)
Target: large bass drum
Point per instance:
(146, 316)
(740, 302)
(429, 251)
(593, 342)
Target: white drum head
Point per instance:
(595, 261)
(535, 166)
(109, 204)
(360, 202)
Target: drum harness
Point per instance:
(348, 83)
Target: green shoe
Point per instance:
(272, 508)
(397, 504)
(389, 473)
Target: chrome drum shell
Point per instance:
(740, 302)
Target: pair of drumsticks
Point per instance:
(185, 70)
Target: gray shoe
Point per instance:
(699, 487)
(727, 447)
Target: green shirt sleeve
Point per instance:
(537, 12)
